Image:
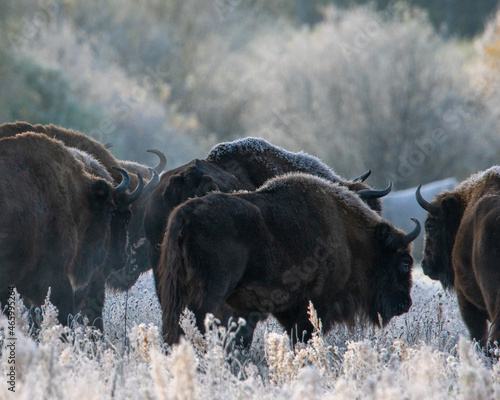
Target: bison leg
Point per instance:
(200, 312)
(245, 333)
(62, 297)
(156, 277)
(296, 322)
(89, 301)
(475, 319)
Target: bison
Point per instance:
(59, 224)
(240, 165)
(296, 239)
(138, 261)
(461, 249)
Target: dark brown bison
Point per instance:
(240, 165)
(298, 238)
(99, 161)
(462, 252)
(59, 224)
(138, 260)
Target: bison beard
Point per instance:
(297, 239)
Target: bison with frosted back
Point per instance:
(462, 249)
(298, 238)
(244, 164)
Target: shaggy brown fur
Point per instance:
(139, 261)
(299, 238)
(461, 249)
(240, 165)
(71, 139)
(54, 221)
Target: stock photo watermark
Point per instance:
(32, 26)
(11, 341)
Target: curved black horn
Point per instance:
(153, 182)
(433, 209)
(163, 160)
(410, 237)
(108, 145)
(375, 194)
(363, 177)
(137, 191)
(123, 186)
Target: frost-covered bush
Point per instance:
(401, 361)
(131, 116)
(360, 90)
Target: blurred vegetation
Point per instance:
(29, 92)
(384, 85)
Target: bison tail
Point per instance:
(177, 285)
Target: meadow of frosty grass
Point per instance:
(421, 355)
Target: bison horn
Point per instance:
(410, 237)
(375, 194)
(363, 177)
(431, 208)
(123, 186)
(108, 145)
(163, 160)
(121, 189)
(153, 182)
(137, 191)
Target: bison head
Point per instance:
(119, 219)
(93, 245)
(137, 249)
(441, 226)
(392, 273)
(195, 179)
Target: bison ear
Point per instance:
(176, 180)
(173, 189)
(207, 185)
(384, 234)
(451, 206)
(100, 196)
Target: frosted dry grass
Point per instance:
(419, 355)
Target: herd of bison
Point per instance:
(250, 231)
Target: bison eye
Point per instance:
(405, 265)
